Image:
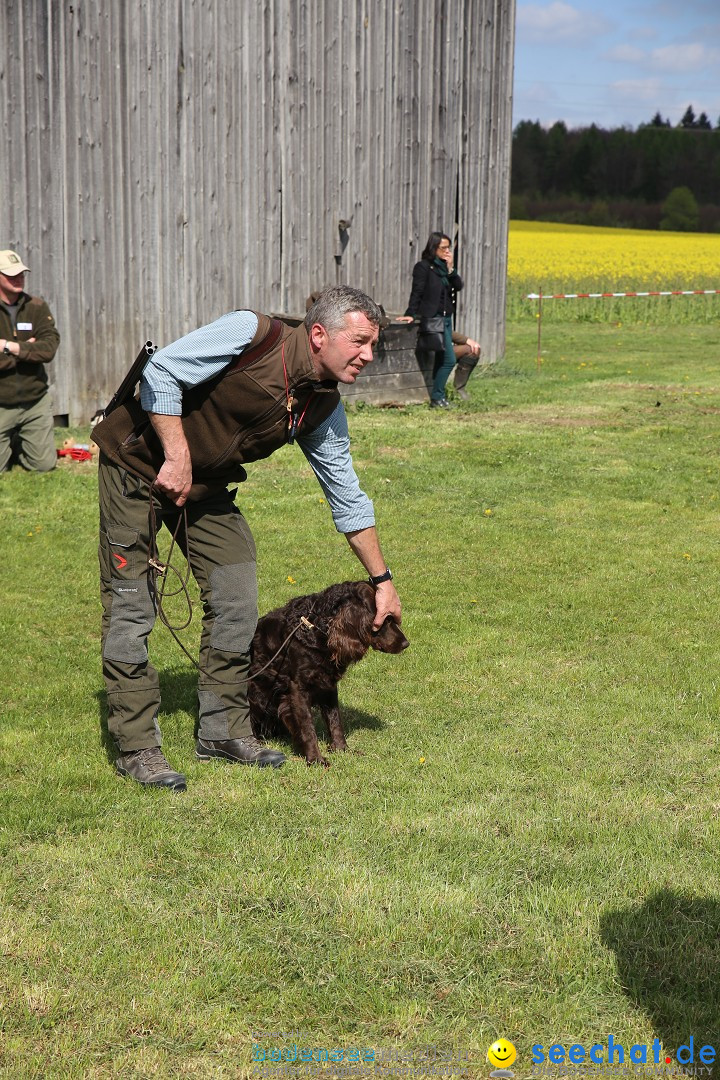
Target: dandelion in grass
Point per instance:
(292, 580)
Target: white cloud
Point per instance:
(668, 59)
(558, 21)
(637, 90)
(626, 54)
(680, 58)
(643, 33)
(668, 9)
(538, 92)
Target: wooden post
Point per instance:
(539, 328)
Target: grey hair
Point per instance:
(335, 303)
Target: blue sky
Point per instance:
(616, 62)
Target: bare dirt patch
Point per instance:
(577, 417)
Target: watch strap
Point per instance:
(387, 576)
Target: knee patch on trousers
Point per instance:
(132, 617)
(234, 605)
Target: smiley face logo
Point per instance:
(501, 1054)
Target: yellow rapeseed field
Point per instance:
(576, 258)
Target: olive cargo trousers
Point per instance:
(26, 433)
(221, 553)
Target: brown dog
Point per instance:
(332, 629)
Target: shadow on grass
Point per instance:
(668, 958)
(107, 743)
(352, 719)
(179, 694)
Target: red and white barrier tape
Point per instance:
(607, 295)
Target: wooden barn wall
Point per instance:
(161, 163)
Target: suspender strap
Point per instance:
(251, 355)
(127, 386)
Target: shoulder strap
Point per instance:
(127, 386)
(251, 355)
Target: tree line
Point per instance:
(657, 176)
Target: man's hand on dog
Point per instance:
(365, 544)
(387, 603)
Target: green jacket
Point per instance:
(23, 378)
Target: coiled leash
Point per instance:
(158, 570)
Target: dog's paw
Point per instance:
(318, 760)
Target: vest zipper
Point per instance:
(279, 406)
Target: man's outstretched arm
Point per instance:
(366, 546)
(328, 452)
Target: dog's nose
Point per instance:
(392, 638)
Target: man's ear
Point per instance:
(318, 336)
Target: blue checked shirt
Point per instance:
(202, 354)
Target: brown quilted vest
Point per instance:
(239, 416)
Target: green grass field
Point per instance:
(524, 839)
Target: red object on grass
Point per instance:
(76, 453)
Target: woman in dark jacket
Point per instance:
(434, 281)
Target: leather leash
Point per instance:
(158, 569)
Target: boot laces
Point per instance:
(251, 742)
(154, 760)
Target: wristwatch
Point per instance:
(387, 576)
(6, 350)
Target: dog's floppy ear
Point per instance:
(350, 630)
(366, 595)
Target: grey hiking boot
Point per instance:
(462, 374)
(150, 767)
(245, 751)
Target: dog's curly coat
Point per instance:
(309, 667)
